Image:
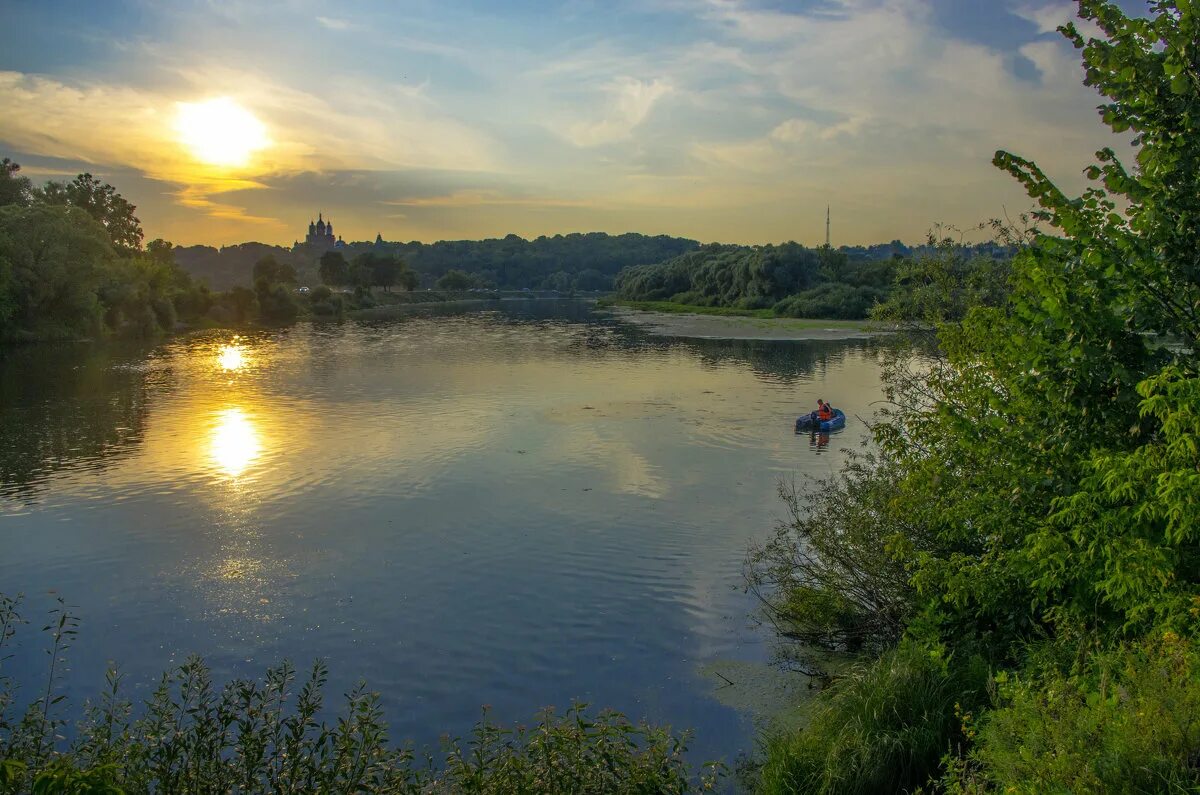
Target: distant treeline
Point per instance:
(586, 262)
(795, 281)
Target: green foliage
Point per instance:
(276, 302)
(14, 189)
(70, 267)
(54, 259)
(587, 261)
(273, 272)
(883, 727)
(1128, 721)
(791, 280)
(269, 735)
(334, 270)
(383, 270)
(102, 202)
(943, 283)
(830, 578)
(1044, 459)
(455, 280)
(835, 301)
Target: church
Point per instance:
(320, 235)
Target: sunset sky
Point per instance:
(713, 119)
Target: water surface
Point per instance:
(513, 507)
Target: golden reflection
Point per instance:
(237, 568)
(235, 443)
(219, 131)
(231, 357)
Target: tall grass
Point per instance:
(268, 736)
(884, 727)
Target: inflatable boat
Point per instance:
(807, 422)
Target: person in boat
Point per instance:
(823, 413)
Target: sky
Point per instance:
(721, 120)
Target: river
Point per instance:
(515, 507)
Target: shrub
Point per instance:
(1129, 722)
(829, 578)
(884, 727)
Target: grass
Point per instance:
(882, 728)
(670, 307)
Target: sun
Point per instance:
(219, 131)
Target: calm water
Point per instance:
(513, 508)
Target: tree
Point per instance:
(455, 280)
(272, 271)
(52, 260)
(384, 269)
(102, 202)
(14, 189)
(409, 279)
(334, 270)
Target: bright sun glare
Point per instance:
(220, 132)
(230, 357)
(234, 442)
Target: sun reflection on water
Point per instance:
(231, 357)
(235, 444)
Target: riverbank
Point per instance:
(747, 327)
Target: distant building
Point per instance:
(320, 235)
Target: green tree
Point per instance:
(385, 270)
(14, 189)
(52, 260)
(409, 279)
(334, 270)
(273, 272)
(102, 202)
(455, 280)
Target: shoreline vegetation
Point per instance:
(680, 320)
(1012, 570)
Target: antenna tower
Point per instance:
(826, 226)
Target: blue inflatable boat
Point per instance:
(809, 422)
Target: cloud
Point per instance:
(334, 24)
(481, 198)
(630, 102)
(1049, 16)
(385, 128)
(719, 119)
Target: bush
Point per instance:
(831, 301)
(829, 578)
(883, 728)
(1129, 723)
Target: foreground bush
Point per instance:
(1129, 722)
(271, 736)
(883, 728)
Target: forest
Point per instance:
(790, 280)
(581, 262)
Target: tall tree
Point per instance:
(272, 271)
(102, 202)
(334, 270)
(14, 189)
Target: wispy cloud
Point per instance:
(630, 102)
(333, 23)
